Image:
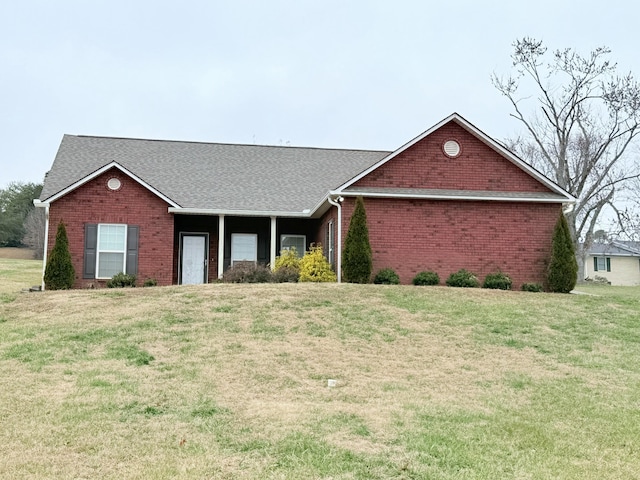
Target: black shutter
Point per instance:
(608, 264)
(132, 250)
(90, 245)
(595, 264)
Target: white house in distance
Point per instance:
(617, 261)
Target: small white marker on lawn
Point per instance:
(332, 383)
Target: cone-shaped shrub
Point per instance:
(59, 273)
(562, 273)
(357, 259)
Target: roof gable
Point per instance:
(102, 170)
(482, 166)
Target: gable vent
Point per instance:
(451, 148)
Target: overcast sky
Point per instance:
(344, 74)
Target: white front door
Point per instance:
(193, 265)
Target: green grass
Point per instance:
(230, 381)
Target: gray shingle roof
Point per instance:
(214, 176)
(616, 248)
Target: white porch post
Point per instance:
(220, 245)
(338, 255)
(272, 256)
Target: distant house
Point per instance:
(617, 261)
(184, 212)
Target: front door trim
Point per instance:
(205, 235)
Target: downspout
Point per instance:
(46, 241)
(338, 203)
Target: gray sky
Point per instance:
(344, 74)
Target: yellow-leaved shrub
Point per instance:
(314, 267)
(288, 259)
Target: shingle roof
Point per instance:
(616, 248)
(213, 175)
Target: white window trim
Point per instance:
(255, 250)
(99, 251)
(289, 235)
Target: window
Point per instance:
(329, 242)
(111, 250)
(244, 247)
(601, 264)
(299, 242)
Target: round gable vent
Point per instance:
(114, 183)
(451, 148)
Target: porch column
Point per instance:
(220, 245)
(272, 255)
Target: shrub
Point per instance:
(562, 273)
(150, 282)
(386, 276)
(247, 272)
(426, 278)
(532, 287)
(59, 273)
(463, 278)
(121, 280)
(314, 267)
(357, 260)
(286, 275)
(287, 267)
(498, 280)
(288, 259)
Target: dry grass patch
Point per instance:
(230, 381)
(15, 253)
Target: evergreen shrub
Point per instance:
(498, 280)
(562, 273)
(59, 273)
(426, 278)
(121, 280)
(357, 259)
(387, 276)
(532, 287)
(463, 278)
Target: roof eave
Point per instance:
(238, 213)
(439, 196)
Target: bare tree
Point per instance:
(584, 119)
(34, 226)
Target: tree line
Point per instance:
(21, 224)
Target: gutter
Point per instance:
(338, 203)
(238, 213)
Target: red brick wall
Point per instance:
(132, 204)
(477, 167)
(444, 236)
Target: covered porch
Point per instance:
(205, 246)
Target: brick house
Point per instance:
(183, 212)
